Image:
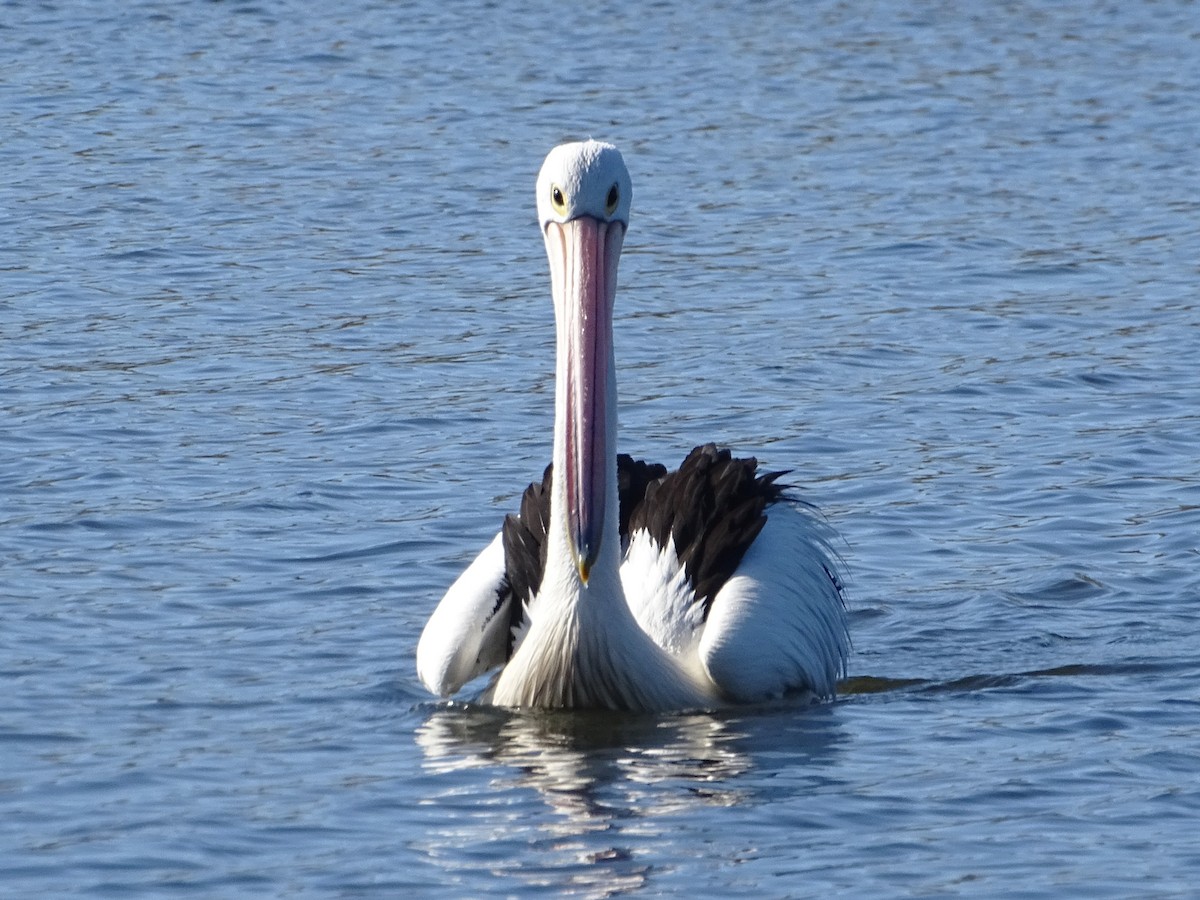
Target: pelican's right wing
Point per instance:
(482, 618)
(468, 633)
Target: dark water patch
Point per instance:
(8, 736)
(1079, 588)
(869, 684)
(389, 548)
(872, 684)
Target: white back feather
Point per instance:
(779, 623)
(660, 595)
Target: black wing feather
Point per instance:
(712, 508)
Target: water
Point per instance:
(275, 348)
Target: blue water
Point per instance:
(276, 356)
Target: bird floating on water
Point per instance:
(618, 585)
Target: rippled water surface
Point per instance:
(275, 346)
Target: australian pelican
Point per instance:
(617, 584)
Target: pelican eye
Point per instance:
(614, 197)
(557, 200)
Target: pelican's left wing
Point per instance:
(779, 623)
(724, 571)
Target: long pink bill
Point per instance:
(590, 250)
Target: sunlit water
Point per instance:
(276, 357)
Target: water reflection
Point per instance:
(599, 778)
(569, 756)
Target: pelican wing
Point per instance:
(468, 633)
(779, 624)
(479, 622)
(726, 574)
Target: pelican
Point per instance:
(618, 585)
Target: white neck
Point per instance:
(583, 647)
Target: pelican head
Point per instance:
(588, 178)
(583, 199)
